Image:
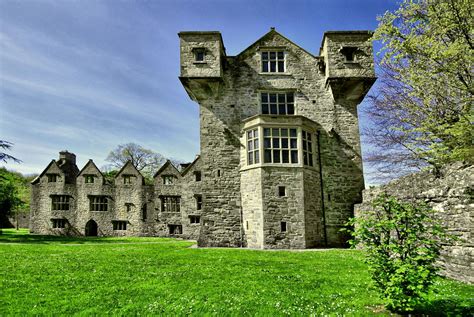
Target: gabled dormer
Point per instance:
(167, 175)
(90, 174)
(192, 172)
(129, 176)
(52, 174)
(275, 55)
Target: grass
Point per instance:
(43, 275)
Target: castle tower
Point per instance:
(280, 143)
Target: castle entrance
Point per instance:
(91, 228)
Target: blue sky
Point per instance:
(88, 75)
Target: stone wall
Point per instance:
(129, 201)
(451, 195)
(228, 101)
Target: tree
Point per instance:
(422, 113)
(402, 242)
(5, 145)
(14, 194)
(145, 160)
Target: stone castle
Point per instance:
(280, 160)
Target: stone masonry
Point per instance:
(272, 101)
(123, 206)
(451, 196)
(280, 156)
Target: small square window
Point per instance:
(175, 229)
(283, 226)
(281, 191)
(194, 219)
(168, 179)
(199, 55)
(88, 179)
(198, 176)
(128, 207)
(127, 179)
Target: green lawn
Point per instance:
(155, 276)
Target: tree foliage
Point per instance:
(5, 145)
(145, 160)
(422, 110)
(402, 242)
(14, 194)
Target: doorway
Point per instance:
(91, 228)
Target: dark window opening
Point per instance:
(52, 178)
(127, 179)
(168, 179)
(144, 212)
(283, 226)
(199, 55)
(129, 207)
(170, 203)
(194, 219)
(197, 176)
(198, 202)
(59, 223)
(349, 53)
(98, 203)
(60, 202)
(88, 179)
(218, 173)
(280, 145)
(273, 62)
(277, 103)
(175, 229)
(119, 225)
(281, 191)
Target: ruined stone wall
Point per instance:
(451, 195)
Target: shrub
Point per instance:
(402, 242)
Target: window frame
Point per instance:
(127, 179)
(266, 63)
(253, 146)
(119, 225)
(307, 147)
(194, 219)
(175, 227)
(98, 206)
(276, 145)
(59, 223)
(88, 178)
(287, 105)
(62, 201)
(52, 177)
(171, 204)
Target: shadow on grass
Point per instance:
(23, 236)
(446, 307)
